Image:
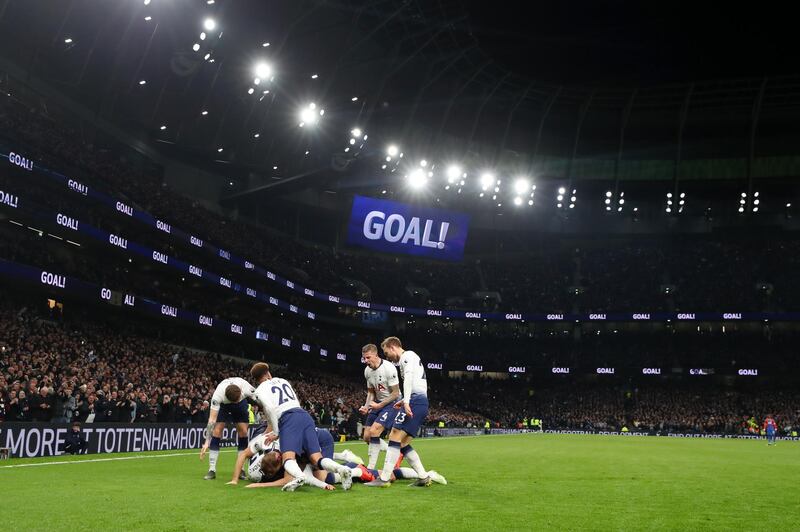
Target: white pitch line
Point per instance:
(138, 457)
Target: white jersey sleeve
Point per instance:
(414, 381)
(259, 445)
(248, 392)
(276, 396)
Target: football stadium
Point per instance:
(418, 264)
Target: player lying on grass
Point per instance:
(294, 426)
(264, 466)
(383, 391)
(265, 471)
(228, 405)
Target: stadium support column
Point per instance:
(751, 154)
(676, 171)
(581, 117)
(626, 114)
(545, 112)
(511, 114)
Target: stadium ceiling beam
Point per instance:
(626, 114)
(502, 146)
(581, 117)
(431, 80)
(545, 112)
(754, 118)
(676, 173)
(455, 96)
(478, 115)
(277, 184)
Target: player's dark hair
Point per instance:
(258, 371)
(369, 347)
(233, 393)
(391, 341)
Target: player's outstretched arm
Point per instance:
(240, 459)
(274, 484)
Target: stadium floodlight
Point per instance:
(788, 205)
(162, 128)
(148, 18)
(755, 194)
(608, 201)
(356, 132)
(521, 185)
(530, 202)
(352, 141)
(265, 44)
(417, 179)
(741, 209)
(256, 135)
(453, 171)
(147, 2)
(195, 47)
(262, 70)
(669, 194)
(202, 36)
(251, 90)
(142, 82)
(669, 210)
(562, 190)
(744, 194)
(209, 24)
(310, 115)
(392, 150)
(68, 40)
(423, 163)
(314, 76)
(608, 193)
(487, 180)
(219, 150)
(354, 99)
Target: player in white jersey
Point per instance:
(413, 410)
(383, 391)
(228, 405)
(293, 425)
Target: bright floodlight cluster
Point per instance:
(310, 115)
(671, 207)
(754, 204)
(609, 200)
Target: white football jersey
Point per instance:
(276, 396)
(248, 392)
(413, 372)
(381, 379)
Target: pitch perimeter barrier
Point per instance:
(30, 440)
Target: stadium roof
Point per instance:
(231, 84)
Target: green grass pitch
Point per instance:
(521, 482)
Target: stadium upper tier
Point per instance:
(650, 277)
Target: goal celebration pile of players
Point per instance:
(288, 451)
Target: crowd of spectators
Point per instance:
(53, 371)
